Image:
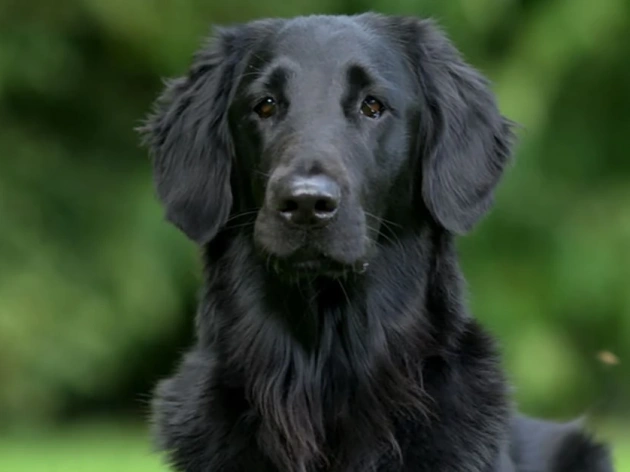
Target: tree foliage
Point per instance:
(92, 279)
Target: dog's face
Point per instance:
(323, 128)
(320, 124)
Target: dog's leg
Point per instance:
(198, 427)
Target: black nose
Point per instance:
(308, 201)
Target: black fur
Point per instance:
(347, 347)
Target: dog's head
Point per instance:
(324, 131)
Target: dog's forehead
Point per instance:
(321, 42)
(315, 60)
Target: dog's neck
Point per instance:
(415, 277)
(292, 337)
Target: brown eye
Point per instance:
(372, 108)
(266, 108)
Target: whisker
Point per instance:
(251, 73)
(241, 225)
(345, 293)
(383, 220)
(393, 242)
(242, 214)
(264, 174)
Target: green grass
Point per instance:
(618, 436)
(85, 448)
(126, 448)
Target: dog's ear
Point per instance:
(189, 140)
(465, 142)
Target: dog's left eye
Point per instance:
(266, 107)
(372, 107)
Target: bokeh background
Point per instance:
(97, 293)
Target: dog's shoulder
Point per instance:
(548, 446)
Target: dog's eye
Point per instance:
(266, 107)
(372, 107)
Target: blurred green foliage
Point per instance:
(93, 283)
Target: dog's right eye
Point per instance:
(372, 107)
(266, 107)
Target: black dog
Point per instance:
(325, 165)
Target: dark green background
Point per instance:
(97, 292)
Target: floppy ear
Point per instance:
(189, 141)
(467, 142)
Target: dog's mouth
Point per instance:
(315, 266)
